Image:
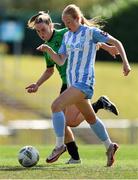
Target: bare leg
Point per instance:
(71, 146)
(73, 116)
(69, 137)
(75, 96)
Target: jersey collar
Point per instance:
(51, 36)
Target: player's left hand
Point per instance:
(126, 69)
(113, 51)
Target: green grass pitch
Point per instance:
(92, 167)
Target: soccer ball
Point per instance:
(28, 156)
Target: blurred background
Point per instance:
(22, 115)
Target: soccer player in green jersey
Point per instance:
(44, 27)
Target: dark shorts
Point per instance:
(63, 88)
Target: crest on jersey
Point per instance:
(104, 33)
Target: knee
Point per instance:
(72, 124)
(56, 106)
(91, 120)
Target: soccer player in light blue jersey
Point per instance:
(79, 47)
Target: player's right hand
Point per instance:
(42, 47)
(32, 88)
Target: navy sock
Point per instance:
(73, 150)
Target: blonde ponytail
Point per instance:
(74, 11)
(95, 22)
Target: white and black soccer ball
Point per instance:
(28, 156)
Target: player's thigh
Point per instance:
(73, 116)
(87, 110)
(68, 97)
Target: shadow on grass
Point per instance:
(55, 167)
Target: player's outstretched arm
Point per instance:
(121, 50)
(59, 59)
(44, 77)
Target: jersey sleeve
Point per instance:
(62, 49)
(100, 36)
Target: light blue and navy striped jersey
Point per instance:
(80, 48)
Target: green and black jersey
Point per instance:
(55, 43)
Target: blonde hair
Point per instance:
(41, 17)
(74, 11)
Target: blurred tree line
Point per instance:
(120, 15)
